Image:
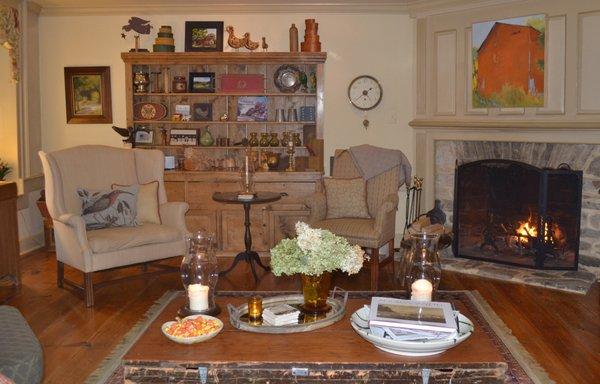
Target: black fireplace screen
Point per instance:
(514, 213)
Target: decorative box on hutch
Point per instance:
(207, 169)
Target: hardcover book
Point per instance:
(398, 313)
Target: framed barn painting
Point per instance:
(203, 36)
(87, 93)
(508, 62)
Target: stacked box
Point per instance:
(164, 42)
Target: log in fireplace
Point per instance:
(514, 213)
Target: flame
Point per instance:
(525, 231)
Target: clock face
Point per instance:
(365, 92)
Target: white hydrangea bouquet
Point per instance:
(314, 252)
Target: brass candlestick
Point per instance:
(291, 151)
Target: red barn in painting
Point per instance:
(511, 54)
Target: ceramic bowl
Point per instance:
(192, 340)
(360, 322)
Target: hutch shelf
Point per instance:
(199, 174)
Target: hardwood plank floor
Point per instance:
(561, 330)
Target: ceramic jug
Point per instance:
(206, 138)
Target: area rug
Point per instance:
(522, 368)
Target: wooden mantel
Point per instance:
(168, 58)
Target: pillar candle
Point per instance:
(421, 290)
(198, 296)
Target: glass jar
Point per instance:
(422, 269)
(274, 142)
(253, 142)
(179, 84)
(296, 139)
(264, 139)
(199, 274)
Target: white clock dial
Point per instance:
(365, 92)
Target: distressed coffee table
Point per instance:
(335, 354)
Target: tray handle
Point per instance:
(234, 315)
(340, 292)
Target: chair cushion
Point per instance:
(147, 202)
(356, 231)
(114, 239)
(113, 208)
(346, 198)
(21, 358)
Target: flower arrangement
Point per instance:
(315, 251)
(5, 170)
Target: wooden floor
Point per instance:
(561, 330)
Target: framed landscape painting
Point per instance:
(203, 36)
(87, 93)
(508, 62)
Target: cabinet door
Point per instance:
(232, 229)
(282, 224)
(202, 220)
(175, 190)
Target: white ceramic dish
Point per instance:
(360, 322)
(192, 340)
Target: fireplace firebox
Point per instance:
(514, 213)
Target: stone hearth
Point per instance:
(585, 157)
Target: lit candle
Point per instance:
(254, 307)
(198, 296)
(421, 290)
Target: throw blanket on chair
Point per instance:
(372, 161)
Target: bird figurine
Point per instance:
(251, 45)
(265, 46)
(233, 41)
(138, 25)
(128, 134)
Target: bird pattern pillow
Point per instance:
(112, 208)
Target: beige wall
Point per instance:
(572, 57)
(379, 45)
(8, 116)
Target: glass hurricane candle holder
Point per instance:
(199, 275)
(255, 307)
(422, 268)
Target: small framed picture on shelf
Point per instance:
(203, 112)
(252, 108)
(183, 110)
(144, 137)
(202, 82)
(203, 36)
(183, 137)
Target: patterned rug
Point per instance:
(522, 368)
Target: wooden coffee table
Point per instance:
(336, 354)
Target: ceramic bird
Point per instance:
(251, 45)
(138, 25)
(103, 202)
(232, 40)
(128, 134)
(265, 46)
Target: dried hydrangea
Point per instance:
(315, 251)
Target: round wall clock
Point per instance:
(365, 92)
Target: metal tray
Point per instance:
(238, 316)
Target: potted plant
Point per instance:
(314, 254)
(5, 170)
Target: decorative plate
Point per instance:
(287, 78)
(192, 340)
(149, 111)
(360, 322)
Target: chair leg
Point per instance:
(391, 255)
(374, 269)
(60, 273)
(88, 287)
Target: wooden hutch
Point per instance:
(270, 222)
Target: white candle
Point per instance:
(247, 173)
(421, 290)
(198, 296)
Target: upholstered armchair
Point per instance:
(382, 203)
(99, 167)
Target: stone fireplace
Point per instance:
(582, 157)
(513, 213)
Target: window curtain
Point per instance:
(9, 36)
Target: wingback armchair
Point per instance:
(369, 233)
(98, 167)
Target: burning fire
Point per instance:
(525, 231)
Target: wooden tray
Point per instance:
(238, 316)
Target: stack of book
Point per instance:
(282, 314)
(409, 320)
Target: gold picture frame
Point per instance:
(87, 95)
